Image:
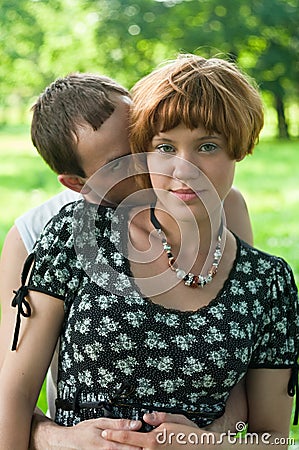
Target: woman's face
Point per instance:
(190, 168)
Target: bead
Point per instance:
(189, 279)
(180, 273)
(201, 281)
(171, 261)
(213, 271)
(194, 282)
(174, 266)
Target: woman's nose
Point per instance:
(184, 169)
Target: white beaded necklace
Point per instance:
(189, 278)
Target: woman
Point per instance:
(153, 345)
(200, 119)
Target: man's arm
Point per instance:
(45, 434)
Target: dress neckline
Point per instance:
(213, 302)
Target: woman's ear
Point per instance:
(73, 182)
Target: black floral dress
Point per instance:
(122, 355)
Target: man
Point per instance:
(80, 124)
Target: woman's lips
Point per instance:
(185, 194)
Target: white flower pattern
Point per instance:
(172, 359)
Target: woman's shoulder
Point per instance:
(257, 253)
(63, 216)
(59, 228)
(267, 266)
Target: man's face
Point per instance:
(109, 146)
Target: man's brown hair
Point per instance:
(66, 104)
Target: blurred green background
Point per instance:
(125, 39)
(42, 39)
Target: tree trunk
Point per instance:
(283, 131)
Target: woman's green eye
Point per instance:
(208, 147)
(165, 148)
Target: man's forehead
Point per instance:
(110, 142)
(122, 105)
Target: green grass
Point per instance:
(268, 180)
(25, 180)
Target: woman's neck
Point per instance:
(177, 230)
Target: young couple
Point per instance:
(127, 345)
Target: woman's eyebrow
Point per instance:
(161, 138)
(202, 138)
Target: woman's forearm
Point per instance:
(15, 419)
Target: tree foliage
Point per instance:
(42, 39)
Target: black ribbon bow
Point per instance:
(20, 301)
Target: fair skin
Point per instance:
(169, 154)
(50, 313)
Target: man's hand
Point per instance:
(45, 434)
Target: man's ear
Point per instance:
(73, 182)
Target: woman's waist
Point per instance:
(123, 403)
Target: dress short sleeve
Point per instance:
(278, 343)
(47, 266)
(54, 272)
